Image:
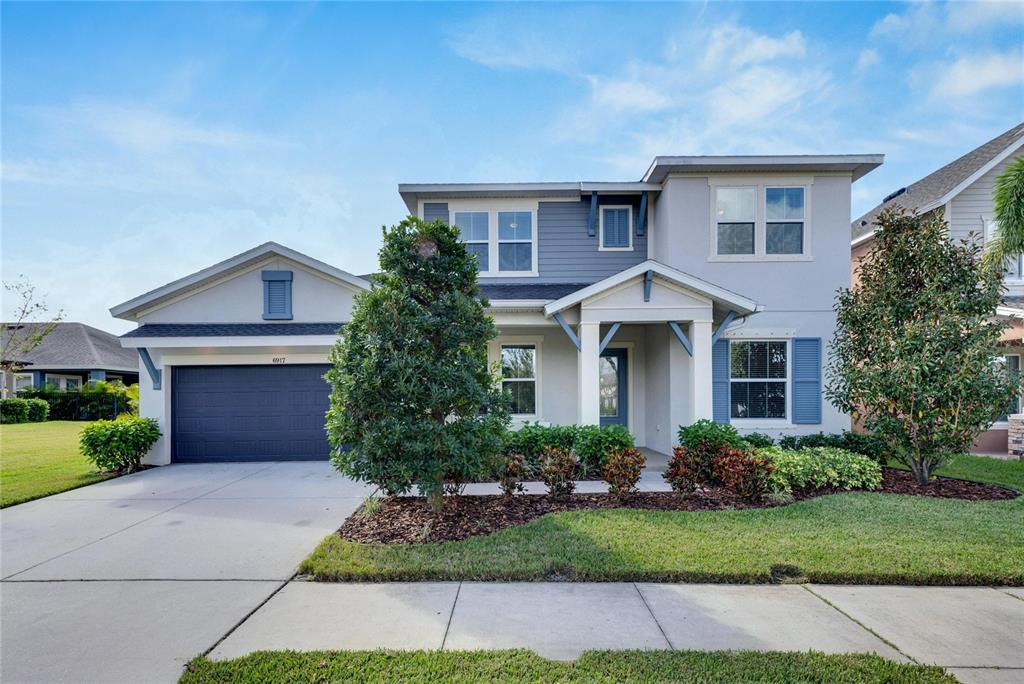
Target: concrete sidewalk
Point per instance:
(975, 632)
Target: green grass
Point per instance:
(860, 537)
(39, 459)
(526, 666)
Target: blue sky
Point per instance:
(142, 142)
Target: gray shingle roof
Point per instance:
(76, 345)
(545, 291)
(935, 185)
(232, 329)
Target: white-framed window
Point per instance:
(501, 233)
(22, 381)
(760, 221)
(1010, 362)
(515, 241)
(519, 377)
(616, 229)
(758, 379)
(475, 231)
(68, 383)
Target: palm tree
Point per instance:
(1008, 198)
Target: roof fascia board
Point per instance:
(211, 341)
(856, 164)
(684, 279)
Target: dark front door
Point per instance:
(249, 413)
(613, 387)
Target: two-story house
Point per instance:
(962, 190)
(704, 290)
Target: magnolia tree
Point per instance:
(914, 348)
(413, 401)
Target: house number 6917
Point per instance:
(278, 359)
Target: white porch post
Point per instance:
(589, 374)
(700, 399)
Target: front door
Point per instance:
(614, 397)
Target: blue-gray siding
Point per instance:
(565, 253)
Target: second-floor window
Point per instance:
(760, 222)
(503, 240)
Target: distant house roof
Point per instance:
(77, 346)
(939, 187)
(529, 291)
(232, 329)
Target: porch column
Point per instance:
(700, 386)
(589, 373)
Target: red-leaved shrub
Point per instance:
(745, 475)
(510, 469)
(556, 469)
(684, 472)
(622, 469)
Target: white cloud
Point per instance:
(737, 46)
(974, 15)
(758, 95)
(628, 93)
(868, 58)
(508, 40)
(925, 22)
(973, 74)
(918, 25)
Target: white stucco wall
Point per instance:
(239, 298)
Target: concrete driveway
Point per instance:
(126, 580)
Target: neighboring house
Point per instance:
(962, 190)
(70, 356)
(703, 290)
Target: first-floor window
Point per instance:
(757, 374)
(519, 376)
(22, 381)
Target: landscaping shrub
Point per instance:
(593, 443)
(510, 469)
(708, 435)
(819, 467)
(13, 411)
(96, 400)
(742, 473)
(685, 470)
(532, 438)
(118, 445)
(557, 468)
(622, 469)
(869, 445)
(758, 440)
(38, 410)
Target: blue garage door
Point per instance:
(249, 413)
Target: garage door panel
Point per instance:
(240, 413)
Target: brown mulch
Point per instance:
(409, 520)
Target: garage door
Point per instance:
(249, 413)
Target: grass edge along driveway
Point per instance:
(858, 537)
(40, 459)
(525, 666)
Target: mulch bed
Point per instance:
(409, 520)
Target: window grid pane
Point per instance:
(515, 256)
(735, 204)
(515, 225)
(784, 238)
(784, 203)
(473, 225)
(735, 238)
(518, 361)
(523, 395)
(479, 250)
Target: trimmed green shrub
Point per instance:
(593, 443)
(866, 444)
(13, 410)
(532, 438)
(118, 445)
(817, 467)
(96, 400)
(746, 475)
(556, 469)
(622, 470)
(759, 440)
(707, 434)
(38, 410)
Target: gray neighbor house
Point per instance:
(70, 356)
(962, 190)
(703, 289)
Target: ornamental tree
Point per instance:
(1008, 203)
(914, 348)
(413, 401)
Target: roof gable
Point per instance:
(942, 185)
(130, 309)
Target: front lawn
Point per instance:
(526, 666)
(859, 537)
(39, 459)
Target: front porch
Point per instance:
(635, 349)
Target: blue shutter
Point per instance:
(277, 295)
(807, 380)
(616, 228)
(720, 381)
(435, 211)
